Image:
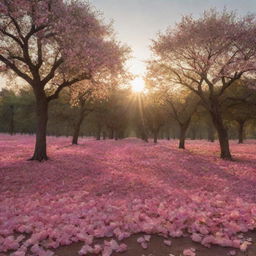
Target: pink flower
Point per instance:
(144, 245)
(147, 238)
(244, 245)
(85, 250)
(122, 248)
(113, 245)
(168, 242)
(196, 237)
(141, 240)
(107, 251)
(189, 252)
(97, 249)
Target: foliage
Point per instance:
(207, 56)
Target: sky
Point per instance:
(137, 22)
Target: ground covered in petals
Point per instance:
(109, 197)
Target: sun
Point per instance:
(138, 85)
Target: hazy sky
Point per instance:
(138, 21)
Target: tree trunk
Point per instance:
(183, 131)
(116, 135)
(241, 131)
(111, 133)
(168, 134)
(12, 120)
(182, 137)
(210, 132)
(42, 118)
(155, 136)
(77, 129)
(98, 134)
(174, 133)
(144, 136)
(222, 133)
(79, 123)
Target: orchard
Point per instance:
(111, 144)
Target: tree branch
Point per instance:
(39, 53)
(17, 27)
(225, 85)
(33, 31)
(16, 70)
(12, 37)
(50, 75)
(55, 95)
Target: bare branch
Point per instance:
(12, 37)
(39, 53)
(16, 70)
(225, 85)
(51, 74)
(55, 95)
(17, 27)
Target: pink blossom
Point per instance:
(144, 245)
(107, 251)
(147, 238)
(189, 252)
(122, 248)
(244, 246)
(60, 207)
(141, 240)
(196, 237)
(168, 242)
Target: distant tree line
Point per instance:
(200, 80)
(123, 114)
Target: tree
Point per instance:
(239, 106)
(88, 94)
(84, 110)
(61, 115)
(204, 120)
(115, 110)
(81, 99)
(180, 102)
(207, 55)
(8, 108)
(182, 106)
(53, 45)
(154, 114)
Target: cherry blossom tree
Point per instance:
(155, 114)
(207, 55)
(84, 105)
(114, 112)
(52, 45)
(87, 95)
(179, 102)
(181, 110)
(238, 106)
